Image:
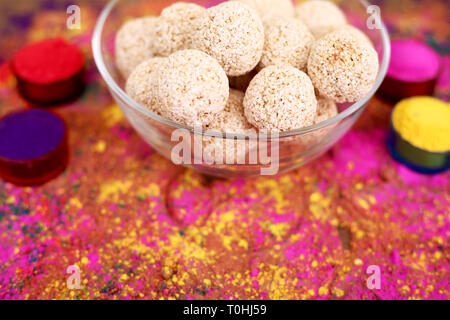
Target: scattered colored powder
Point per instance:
(424, 122)
(48, 61)
(412, 61)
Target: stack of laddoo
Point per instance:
(246, 64)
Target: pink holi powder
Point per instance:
(412, 61)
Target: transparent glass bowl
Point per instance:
(294, 148)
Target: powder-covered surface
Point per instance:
(139, 227)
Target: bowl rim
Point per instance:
(116, 89)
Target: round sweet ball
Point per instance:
(326, 109)
(287, 40)
(191, 87)
(321, 16)
(175, 27)
(141, 83)
(270, 8)
(356, 32)
(343, 66)
(232, 118)
(233, 34)
(280, 98)
(134, 45)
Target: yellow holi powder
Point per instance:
(424, 122)
(111, 190)
(100, 147)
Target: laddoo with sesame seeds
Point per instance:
(343, 66)
(232, 121)
(287, 40)
(141, 84)
(176, 26)
(326, 109)
(192, 87)
(134, 44)
(356, 32)
(320, 16)
(232, 118)
(270, 8)
(232, 33)
(280, 98)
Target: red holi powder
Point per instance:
(48, 61)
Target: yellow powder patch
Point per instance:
(207, 282)
(152, 190)
(112, 115)
(10, 200)
(111, 191)
(363, 203)
(225, 220)
(423, 122)
(338, 292)
(278, 230)
(227, 242)
(323, 291)
(75, 202)
(243, 243)
(100, 146)
(274, 191)
(320, 206)
(278, 287)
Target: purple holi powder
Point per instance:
(30, 134)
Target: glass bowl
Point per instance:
(285, 151)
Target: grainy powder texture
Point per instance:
(343, 66)
(192, 87)
(280, 98)
(320, 16)
(232, 33)
(175, 27)
(134, 44)
(287, 40)
(141, 84)
(270, 8)
(326, 109)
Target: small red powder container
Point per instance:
(33, 147)
(413, 71)
(49, 72)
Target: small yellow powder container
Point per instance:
(420, 134)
